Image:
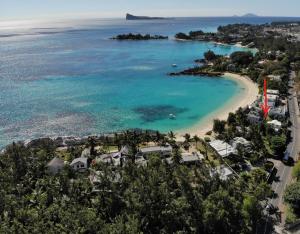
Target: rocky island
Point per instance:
(139, 37)
(133, 17)
(197, 71)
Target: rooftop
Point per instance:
(81, 159)
(156, 149)
(222, 148)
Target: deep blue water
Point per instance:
(68, 78)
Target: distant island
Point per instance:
(139, 37)
(133, 17)
(249, 15)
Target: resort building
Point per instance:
(80, 164)
(55, 165)
(163, 151)
(222, 148)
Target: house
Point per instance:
(240, 141)
(55, 165)
(97, 177)
(79, 164)
(272, 99)
(278, 112)
(163, 151)
(223, 172)
(222, 148)
(192, 158)
(274, 78)
(273, 91)
(254, 117)
(275, 124)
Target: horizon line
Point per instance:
(78, 17)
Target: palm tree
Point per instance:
(172, 135)
(206, 140)
(187, 141)
(196, 139)
(92, 144)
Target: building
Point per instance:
(278, 112)
(223, 172)
(79, 164)
(192, 158)
(55, 165)
(254, 117)
(222, 148)
(273, 91)
(275, 124)
(163, 151)
(274, 78)
(272, 100)
(240, 141)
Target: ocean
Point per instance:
(66, 77)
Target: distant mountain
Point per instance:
(249, 15)
(133, 17)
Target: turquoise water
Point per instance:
(62, 81)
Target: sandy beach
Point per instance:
(243, 99)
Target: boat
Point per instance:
(174, 65)
(172, 116)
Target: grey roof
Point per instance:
(76, 160)
(56, 162)
(156, 149)
(190, 158)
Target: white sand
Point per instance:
(245, 98)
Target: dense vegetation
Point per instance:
(139, 37)
(157, 198)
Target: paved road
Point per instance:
(284, 172)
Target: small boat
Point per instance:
(172, 116)
(174, 65)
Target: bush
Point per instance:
(292, 195)
(242, 58)
(296, 171)
(210, 55)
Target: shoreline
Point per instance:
(242, 99)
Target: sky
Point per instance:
(38, 9)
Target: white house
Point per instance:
(223, 172)
(163, 151)
(274, 77)
(278, 112)
(272, 99)
(192, 158)
(240, 141)
(222, 148)
(273, 91)
(275, 124)
(79, 164)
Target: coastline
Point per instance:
(242, 99)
